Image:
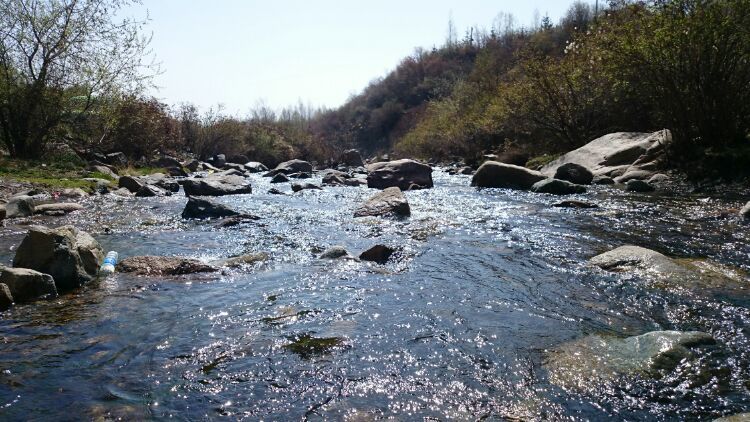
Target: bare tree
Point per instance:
(57, 57)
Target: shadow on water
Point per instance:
(486, 284)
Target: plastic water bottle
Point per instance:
(108, 266)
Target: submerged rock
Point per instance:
(378, 254)
(334, 252)
(593, 360)
(69, 255)
(274, 191)
(638, 186)
(198, 207)
(307, 346)
(296, 187)
(163, 265)
(217, 185)
(242, 260)
(6, 298)
(635, 257)
(575, 204)
(574, 173)
(557, 187)
(404, 174)
(493, 174)
(26, 285)
(389, 202)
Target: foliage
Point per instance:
(56, 59)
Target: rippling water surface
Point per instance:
(457, 326)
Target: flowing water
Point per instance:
(455, 327)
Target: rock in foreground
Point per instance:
(69, 255)
(389, 202)
(26, 285)
(574, 173)
(404, 174)
(591, 361)
(745, 211)
(493, 174)
(163, 266)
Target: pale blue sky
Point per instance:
(237, 52)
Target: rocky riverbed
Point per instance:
(431, 298)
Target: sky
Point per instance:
(241, 53)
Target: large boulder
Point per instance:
(493, 174)
(26, 285)
(279, 178)
(105, 170)
(167, 161)
(71, 256)
(163, 265)
(294, 166)
(594, 360)
(389, 202)
(557, 187)
(574, 173)
(117, 159)
(633, 155)
(378, 254)
(198, 207)
(351, 158)
(404, 174)
(217, 185)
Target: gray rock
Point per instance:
(69, 255)
(192, 165)
(280, 178)
(274, 191)
(634, 174)
(220, 160)
(2, 211)
(198, 207)
(658, 179)
(147, 191)
(334, 252)
(629, 256)
(19, 206)
(117, 159)
(574, 173)
(168, 161)
(378, 254)
(217, 185)
(104, 170)
(745, 211)
(557, 187)
(296, 187)
(636, 185)
(75, 193)
(6, 298)
(163, 266)
(389, 202)
(616, 154)
(739, 417)
(351, 158)
(591, 361)
(294, 166)
(404, 174)
(64, 207)
(575, 204)
(133, 184)
(492, 174)
(237, 159)
(255, 167)
(27, 285)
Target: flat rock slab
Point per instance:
(217, 186)
(65, 207)
(163, 266)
